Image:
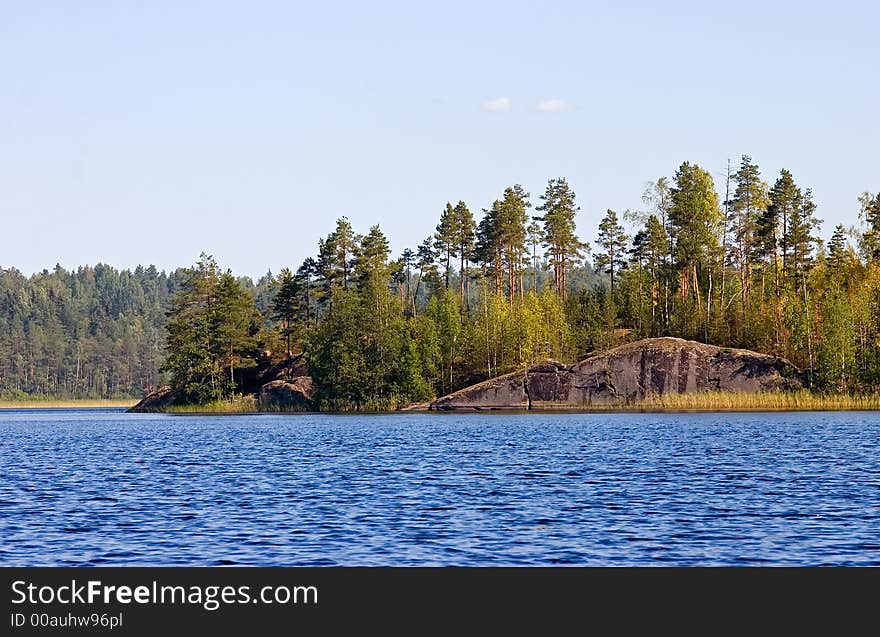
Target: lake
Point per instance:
(101, 487)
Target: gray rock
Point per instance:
(293, 395)
(628, 374)
(155, 400)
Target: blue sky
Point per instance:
(134, 132)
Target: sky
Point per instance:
(148, 132)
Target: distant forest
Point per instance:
(738, 264)
(96, 332)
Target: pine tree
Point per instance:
(286, 304)
(489, 243)
(190, 358)
(465, 244)
(371, 262)
(658, 197)
(512, 222)
(425, 256)
(233, 325)
(612, 243)
(446, 239)
(564, 249)
(650, 248)
(408, 260)
(800, 239)
(336, 255)
(534, 235)
(773, 226)
(748, 204)
(307, 269)
(371, 268)
(211, 327)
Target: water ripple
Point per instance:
(84, 487)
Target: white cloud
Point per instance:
(498, 105)
(553, 105)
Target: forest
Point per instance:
(736, 264)
(93, 333)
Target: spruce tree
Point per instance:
(748, 204)
(837, 248)
(800, 238)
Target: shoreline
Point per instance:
(673, 404)
(109, 403)
(699, 402)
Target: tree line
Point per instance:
(96, 332)
(489, 293)
(93, 332)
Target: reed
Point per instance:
(236, 405)
(763, 401)
(49, 403)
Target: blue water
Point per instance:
(92, 487)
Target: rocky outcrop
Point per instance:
(276, 395)
(282, 395)
(156, 400)
(628, 374)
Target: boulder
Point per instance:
(282, 395)
(155, 400)
(501, 392)
(628, 374)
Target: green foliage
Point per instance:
(695, 215)
(364, 358)
(870, 215)
(94, 332)
(564, 248)
(445, 314)
(465, 244)
(378, 332)
(211, 327)
(446, 240)
(286, 304)
(612, 243)
(749, 202)
(336, 256)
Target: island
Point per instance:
(694, 302)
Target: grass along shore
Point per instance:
(81, 403)
(704, 401)
(237, 405)
(764, 401)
